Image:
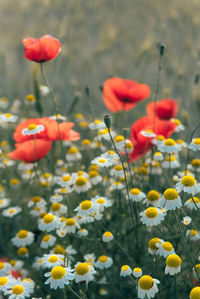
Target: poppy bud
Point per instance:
(107, 121)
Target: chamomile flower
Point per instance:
(58, 209)
(84, 272)
(63, 190)
(73, 154)
(179, 126)
(152, 198)
(173, 264)
(94, 177)
(23, 238)
(147, 287)
(23, 251)
(158, 140)
(90, 258)
(193, 234)
(137, 272)
(71, 225)
(37, 201)
(136, 194)
(165, 248)
(190, 203)
(169, 146)
(170, 200)
(171, 162)
(65, 180)
(129, 146)
(5, 282)
(195, 165)
(119, 142)
(125, 271)
(111, 155)
(151, 216)
(58, 117)
(48, 241)
(103, 134)
(181, 144)
(101, 202)
(117, 171)
(148, 133)
(52, 260)
(19, 289)
(12, 211)
(188, 184)
(58, 277)
(8, 117)
(186, 220)
(195, 293)
(4, 103)
(81, 184)
(33, 129)
(117, 186)
(97, 125)
(49, 222)
(86, 207)
(104, 262)
(4, 268)
(158, 156)
(102, 161)
(107, 237)
(82, 232)
(152, 245)
(194, 144)
(4, 202)
(16, 264)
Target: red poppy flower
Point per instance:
(123, 94)
(165, 109)
(31, 150)
(46, 129)
(16, 274)
(42, 49)
(143, 144)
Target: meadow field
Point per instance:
(99, 149)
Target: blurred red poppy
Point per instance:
(165, 109)
(42, 49)
(50, 130)
(16, 274)
(143, 144)
(123, 94)
(31, 150)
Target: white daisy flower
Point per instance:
(81, 184)
(8, 117)
(158, 140)
(63, 190)
(65, 180)
(117, 171)
(23, 238)
(84, 272)
(17, 264)
(58, 277)
(86, 207)
(152, 216)
(186, 220)
(173, 264)
(52, 260)
(94, 177)
(111, 155)
(107, 237)
(38, 263)
(97, 125)
(4, 202)
(190, 203)
(120, 142)
(187, 184)
(4, 268)
(193, 234)
(152, 247)
(90, 258)
(137, 272)
(194, 144)
(58, 117)
(147, 287)
(103, 134)
(117, 186)
(58, 209)
(181, 144)
(169, 146)
(158, 156)
(37, 201)
(18, 289)
(129, 146)
(82, 232)
(148, 133)
(170, 162)
(101, 202)
(104, 262)
(125, 271)
(49, 222)
(5, 282)
(12, 211)
(73, 154)
(4, 103)
(48, 241)
(32, 129)
(136, 194)
(71, 225)
(170, 200)
(102, 161)
(165, 248)
(152, 198)
(179, 126)
(56, 198)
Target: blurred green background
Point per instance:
(102, 38)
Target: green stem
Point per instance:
(75, 294)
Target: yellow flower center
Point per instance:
(177, 122)
(56, 206)
(151, 212)
(137, 270)
(101, 160)
(173, 260)
(46, 238)
(119, 138)
(82, 269)
(171, 158)
(196, 141)
(83, 124)
(22, 251)
(48, 218)
(167, 246)
(179, 141)
(30, 98)
(193, 232)
(11, 211)
(108, 234)
(103, 258)
(79, 115)
(22, 234)
(118, 168)
(8, 115)
(36, 199)
(188, 181)
(72, 150)
(125, 268)
(17, 290)
(169, 142)
(93, 173)
(153, 195)
(100, 201)
(59, 249)
(152, 243)
(135, 191)
(146, 282)
(32, 127)
(81, 181)
(196, 162)
(12, 262)
(196, 199)
(160, 137)
(195, 293)
(14, 182)
(170, 194)
(86, 205)
(53, 259)
(143, 170)
(3, 281)
(86, 142)
(97, 122)
(2, 265)
(4, 99)
(70, 222)
(58, 272)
